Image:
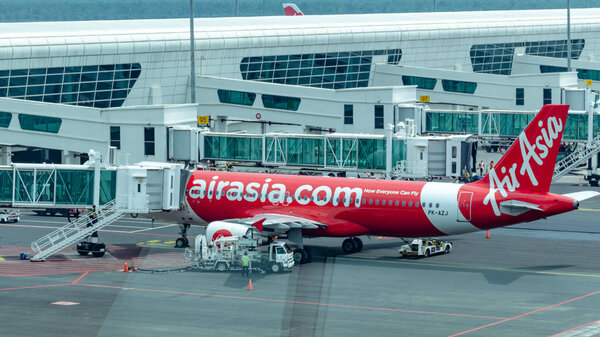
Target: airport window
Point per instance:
(115, 136)
(498, 58)
(459, 86)
(335, 70)
(149, 141)
(547, 96)
(99, 86)
(39, 123)
(236, 97)
(453, 167)
(281, 102)
(588, 74)
(454, 151)
(348, 114)
(420, 82)
(552, 69)
(5, 118)
(379, 117)
(520, 96)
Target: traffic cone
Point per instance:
(125, 268)
(250, 285)
(487, 236)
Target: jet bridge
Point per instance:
(113, 190)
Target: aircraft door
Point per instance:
(464, 206)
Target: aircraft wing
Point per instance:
(283, 222)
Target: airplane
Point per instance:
(515, 190)
(291, 9)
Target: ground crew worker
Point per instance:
(93, 220)
(245, 264)
(491, 165)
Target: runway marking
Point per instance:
(286, 301)
(469, 267)
(589, 209)
(576, 328)
(79, 278)
(32, 287)
(525, 314)
(101, 231)
(67, 303)
(151, 229)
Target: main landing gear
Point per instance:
(302, 256)
(183, 241)
(352, 245)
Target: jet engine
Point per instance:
(217, 229)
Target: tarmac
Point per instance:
(534, 279)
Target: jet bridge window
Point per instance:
(236, 97)
(149, 141)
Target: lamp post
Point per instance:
(568, 35)
(192, 56)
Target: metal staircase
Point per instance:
(74, 231)
(576, 158)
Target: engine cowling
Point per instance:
(218, 229)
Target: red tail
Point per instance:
(291, 9)
(528, 165)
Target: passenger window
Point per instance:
(370, 201)
(416, 204)
(403, 203)
(383, 202)
(397, 203)
(376, 201)
(430, 204)
(437, 205)
(364, 201)
(410, 204)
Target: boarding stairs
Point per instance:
(575, 159)
(75, 231)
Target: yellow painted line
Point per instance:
(590, 209)
(169, 242)
(2, 259)
(153, 241)
(452, 266)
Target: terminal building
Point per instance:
(69, 86)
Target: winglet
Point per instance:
(259, 224)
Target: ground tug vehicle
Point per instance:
(425, 248)
(225, 254)
(9, 215)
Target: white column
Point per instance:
(5, 154)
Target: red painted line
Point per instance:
(31, 287)
(575, 328)
(525, 314)
(102, 231)
(79, 278)
(287, 301)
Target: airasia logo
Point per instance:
(536, 151)
(276, 193)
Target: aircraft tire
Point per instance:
(349, 246)
(359, 244)
(447, 250)
(427, 253)
(301, 256)
(181, 243)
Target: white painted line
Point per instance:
(150, 229)
(64, 303)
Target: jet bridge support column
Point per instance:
(388, 151)
(5, 152)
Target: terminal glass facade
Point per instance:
(497, 58)
(39, 123)
(99, 86)
(6, 184)
(5, 118)
(336, 70)
(236, 97)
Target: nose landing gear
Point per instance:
(183, 241)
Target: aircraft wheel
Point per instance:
(181, 243)
(349, 246)
(427, 253)
(447, 250)
(359, 244)
(301, 256)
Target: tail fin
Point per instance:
(528, 165)
(291, 9)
